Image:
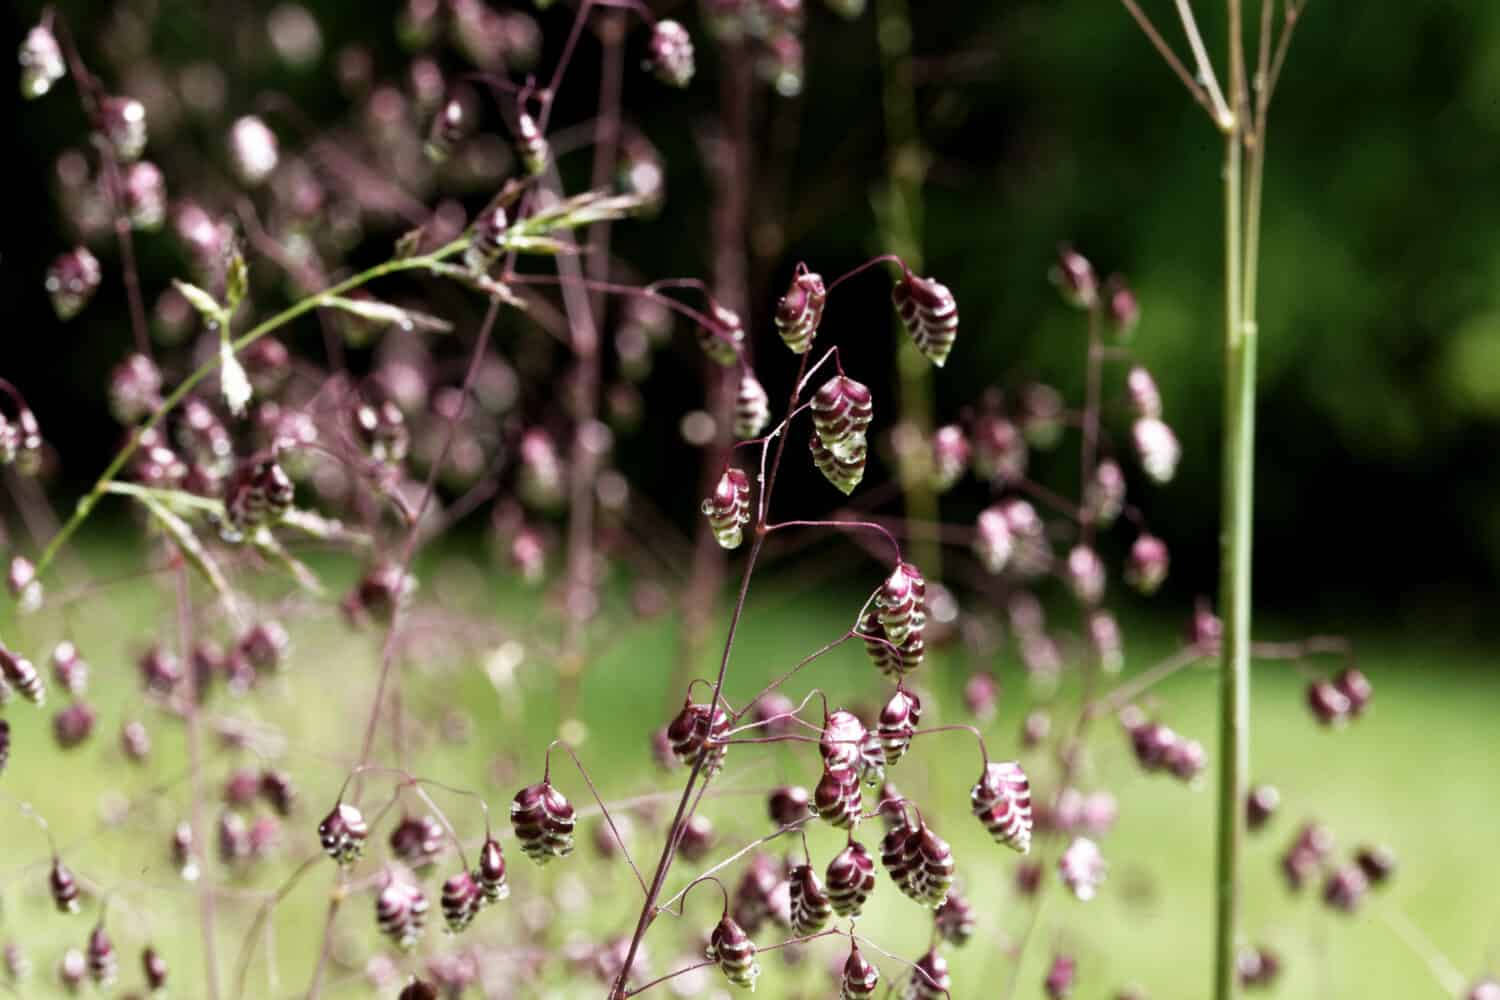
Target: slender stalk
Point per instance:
(193, 722)
(650, 909)
(91, 499)
(1238, 501)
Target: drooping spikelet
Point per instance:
(842, 735)
(461, 901)
(811, 907)
(901, 603)
(696, 727)
(836, 800)
(898, 721)
(732, 948)
(843, 471)
(401, 912)
(728, 509)
(801, 310)
(929, 978)
(929, 313)
(851, 879)
(543, 821)
(342, 833)
(929, 859)
(721, 341)
(860, 978)
(841, 411)
(752, 408)
(892, 660)
(955, 919)
(490, 872)
(1001, 799)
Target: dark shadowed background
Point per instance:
(1046, 122)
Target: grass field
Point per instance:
(1417, 773)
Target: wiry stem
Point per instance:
(649, 909)
(1238, 485)
(192, 722)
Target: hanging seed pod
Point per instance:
(73, 725)
(543, 821)
(1104, 497)
(841, 411)
(160, 670)
(342, 833)
(1145, 398)
(836, 800)
(696, 838)
(898, 722)
(811, 907)
(993, 543)
(103, 963)
(71, 970)
(419, 990)
(154, 968)
(1148, 564)
(42, 63)
(930, 315)
(1001, 800)
(531, 145)
(732, 948)
(19, 673)
(851, 879)
(259, 492)
(843, 471)
(789, 805)
(490, 872)
(1327, 702)
(461, 899)
(894, 856)
(143, 190)
(1061, 977)
(24, 587)
(752, 408)
(669, 56)
(842, 735)
(721, 341)
(122, 120)
(871, 759)
(72, 279)
(184, 859)
(69, 669)
(929, 978)
(417, 841)
(728, 509)
(449, 127)
(1156, 446)
(401, 913)
(930, 860)
(693, 729)
(901, 603)
(950, 457)
(892, 662)
(800, 310)
(955, 919)
(860, 977)
(277, 789)
(1082, 869)
(63, 887)
(1354, 685)
(233, 835)
(1000, 453)
(752, 897)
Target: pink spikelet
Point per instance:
(732, 948)
(860, 978)
(728, 509)
(800, 310)
(1001, 799)
(929, 313)
(811, 907)
(901, 603)
(851, 879)
(841, 411)
(752, 408)
(898, 722)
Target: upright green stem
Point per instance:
(1238, 507)
(91, 499)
